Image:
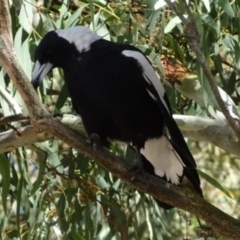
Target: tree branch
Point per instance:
(194, 37)
(13, 118)
(210, 130)
(10, 101)
(10, 140)
(189, 86)
(11, 65)
(5, 24)
(184, 198)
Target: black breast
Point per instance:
(109, 92)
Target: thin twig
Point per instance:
(17, 130)
(13, 118)
(10, 101)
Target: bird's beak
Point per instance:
(39, 72)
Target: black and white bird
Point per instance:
(119, 96)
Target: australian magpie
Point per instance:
(119, 96)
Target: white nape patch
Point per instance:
(164, 158)
(81, 36)
(148, 71)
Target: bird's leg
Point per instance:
(137, 165)
(94, 140)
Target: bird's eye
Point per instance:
(49, 52)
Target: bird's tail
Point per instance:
(164, 159)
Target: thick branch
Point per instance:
(5, 24)
(9, 62)
(184, 198)
(10, 140)
(194, 37)
(214, 131)
(191, 88)
(196, 128)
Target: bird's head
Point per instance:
(59, 48)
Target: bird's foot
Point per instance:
(136, 166)
(137, 169)
(94, 140)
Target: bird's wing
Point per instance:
(157, 92)
(150, 76)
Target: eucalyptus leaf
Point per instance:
(5, 174)
(26, 16)
(214, 183)
(226, 6)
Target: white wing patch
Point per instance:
(148, 71)
(164, 158)
(81, 36)
(151, 95)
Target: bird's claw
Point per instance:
(137, 169)
(136, 166)
(94, 140)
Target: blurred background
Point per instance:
(50, 191)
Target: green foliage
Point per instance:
(49, 191)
